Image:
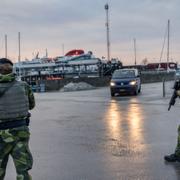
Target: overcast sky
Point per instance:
(80, 24)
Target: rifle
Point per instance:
(174, 95)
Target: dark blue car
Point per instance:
(125, 81)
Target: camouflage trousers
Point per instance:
(177, 151)
(15, 142)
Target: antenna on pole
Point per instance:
(135, 51)
(107, 29)
(5, 45)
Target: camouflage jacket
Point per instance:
(12, 135)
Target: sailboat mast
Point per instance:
(168, 44)
(5, 45)
(19, 45)
(135, 51)
(63, 49)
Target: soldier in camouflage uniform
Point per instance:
(16, 98)
(176, 155)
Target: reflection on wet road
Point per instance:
(125, 128)
(113, 118)
(136, 121)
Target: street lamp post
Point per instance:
(107, 31)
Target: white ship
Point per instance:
(74, 61)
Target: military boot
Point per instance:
(172, 158)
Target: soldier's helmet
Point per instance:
(6, 61)
(6, 66)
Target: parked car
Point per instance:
(125, 81)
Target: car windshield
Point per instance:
(123, 74)
(178, 71)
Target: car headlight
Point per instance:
(112, 83)
(133, 83)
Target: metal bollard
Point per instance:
(164, 92)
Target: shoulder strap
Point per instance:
(6, 89)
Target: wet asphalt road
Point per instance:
(88, 135)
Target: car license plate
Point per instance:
(122, 90)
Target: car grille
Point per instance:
(122, 83)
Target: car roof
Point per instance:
(127, 69)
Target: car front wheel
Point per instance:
(136, 92)
(112, 94)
